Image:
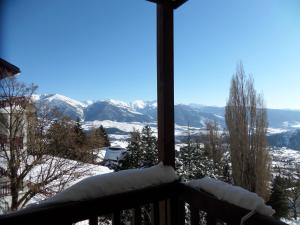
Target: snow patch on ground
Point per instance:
(183, 130)
(118, 136)
(124, 126)
(121, 143)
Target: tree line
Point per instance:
(67, 139)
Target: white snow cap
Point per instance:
(115, 183)
(233, 194)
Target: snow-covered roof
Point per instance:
(115, 153)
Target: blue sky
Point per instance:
(95, 49)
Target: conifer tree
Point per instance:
(149, 147)
(293, 193)
(98, 138)
(79, 135)
(60, 138)
(80, 150)
(278, 199)
(194, 160)
(142, 149)
(135, 152)
(186, 157)
(102, 132)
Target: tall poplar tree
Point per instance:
(246, 120)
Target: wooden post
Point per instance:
(165, 92)
(165, 83)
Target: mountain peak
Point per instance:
(138, 104)
(59, 97)
(118, 103)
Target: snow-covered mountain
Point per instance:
(115, 111)
(67, 106)
(144, 112)
(289, 139)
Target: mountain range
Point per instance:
(283, 123)
(193, 115)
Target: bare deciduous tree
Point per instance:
(28, 170)
(216, 148)
(246, 121)
(214, 142)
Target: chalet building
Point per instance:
(133, 189)
(114, 155)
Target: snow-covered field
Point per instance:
(128, 127)
(284, 157)
(276, 130)
(123, 126)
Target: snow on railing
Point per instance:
(233, 194)
(156, 187)
(114, 183)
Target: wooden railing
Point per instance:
(185, 204)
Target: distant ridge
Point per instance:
(194, 115)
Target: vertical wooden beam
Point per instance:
(137, 216)
(165, 83)
(165, 94)
(93, 220)
(155, 215)
(195, 218)
(178, 211)
(116, 218)
(211, 220)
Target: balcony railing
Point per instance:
(4, 188)
(176, 195)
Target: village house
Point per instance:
(114, 155)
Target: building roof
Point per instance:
(115, 153)
(7, 69)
